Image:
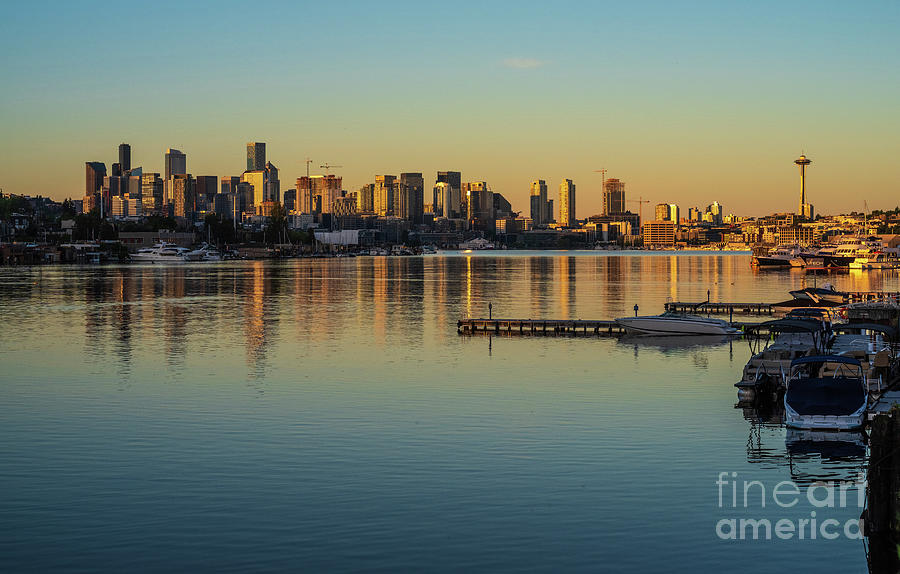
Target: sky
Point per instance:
(687, 102)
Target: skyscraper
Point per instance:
(365, 198)
(539, 214)
(183, 195)
(258, 180)
(205, 190)
(317, 193)
(384, 194)
(613, 197)
(125, 156)
(441, 205)
(454, 180)
(176, 163)
(567, 203)
(412, 188)
(256, 156)
(273, 185)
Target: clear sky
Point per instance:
(687, 102)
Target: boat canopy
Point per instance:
(889, 332)
(789, 326)
(826, 359)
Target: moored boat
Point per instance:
(675, 324)
(825, 392)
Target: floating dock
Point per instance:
(540, 327)
(596, 328)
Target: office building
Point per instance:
(412, 190)
(125, 157)
(385, 187)
(567, 203)
(176, 163)
(659, 233)
(206, 187)
(613, 197)
(365, 199)
(454, 180)
(183, 195)
(539, 208)
(273, 185)
(441, 203)
(257, 179)
(316, 194)
(256, 156)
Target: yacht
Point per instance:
(782, 256)
(848, 249)
(161, 253)
(204, 253)
(878, 260)
(675, 324)
(827, 392)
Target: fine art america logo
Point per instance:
(763, 503)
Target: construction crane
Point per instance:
(328, 166)
(602, 173)
(640, 201)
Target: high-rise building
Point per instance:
(412, 189)
(454, 180)
(176, 163)
(257, 179)
(183, 195)
(256, 156)
(667, 212)
(613, 197)
(289, 200)
(94, 174)
(152, 193)
(365, 198)
(205, 190)
(715, 213)
(385, 187)
(441, 204)
(229, 184)
(273, 185)
(316, 194)
(479, 203)
(125, 157)
(539, 206)
(567, 203)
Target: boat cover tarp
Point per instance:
(826, 396)
(826, 359)
(789, 326)
(889, 332)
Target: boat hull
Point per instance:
(674, 326)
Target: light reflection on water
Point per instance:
(325, 414)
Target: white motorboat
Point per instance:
(818, 294)
(782, 256)
(161, 253)
(826, 392)
(204, 253)
(675, 324)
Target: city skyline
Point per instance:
(482, 93)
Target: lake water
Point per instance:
(326, 415)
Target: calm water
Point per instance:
(326, 415)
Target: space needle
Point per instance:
(805, 208)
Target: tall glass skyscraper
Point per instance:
(256, 156)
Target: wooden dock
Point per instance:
(540, 327)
